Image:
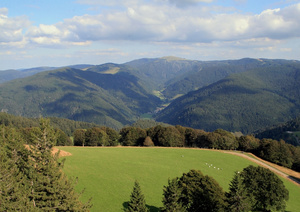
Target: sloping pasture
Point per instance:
(108, 174)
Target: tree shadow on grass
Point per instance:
(295, 179)
(150, 207)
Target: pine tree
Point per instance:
(137, 201)
(31, 178)
(237, 198)
(172, 195)
(13, 187)
(50, 188)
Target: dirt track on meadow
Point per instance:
(289, 174)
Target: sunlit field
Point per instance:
(108, 174)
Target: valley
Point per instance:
(243, 95)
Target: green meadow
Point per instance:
(108, 174)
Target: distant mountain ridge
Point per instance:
(244, 101)
(237, 95)
(158, 71)
(78, 95)
(7, 75)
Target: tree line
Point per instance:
(253, 189)
(87, 134)
(274, 151)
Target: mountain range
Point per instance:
(237, 95)
(108, 99)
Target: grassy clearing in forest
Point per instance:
(108, 174)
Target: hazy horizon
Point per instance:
(61, 33)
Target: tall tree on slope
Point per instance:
(50, 188)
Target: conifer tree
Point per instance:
(237, 198)
(137, 201)
(13, 187)
(172, 195)
(50, 188)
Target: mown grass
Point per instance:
(108, 174)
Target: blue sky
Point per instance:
(58, 33)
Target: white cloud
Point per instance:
(3, 11)
(110, 3)
(164, 23)
(103, 52)
(184, 3)
(277, 23)
(151, 22)
(12, 29)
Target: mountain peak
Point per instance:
(170, 58)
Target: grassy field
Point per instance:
(108, 174)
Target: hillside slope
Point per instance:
(108, 99)
(257, 93)
(289, 132)
(8, 75)
(156, 72)
(242, 102)
(206, 73)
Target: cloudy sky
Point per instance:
(64, 32)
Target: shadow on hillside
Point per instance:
(150, 207)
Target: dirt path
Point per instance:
(289, 174)
(62, 153)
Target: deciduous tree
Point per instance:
(112, 136)
(194, 192)
(148, 141)
(132, 136)
(265, 189)
(79, 137)
(62, 138)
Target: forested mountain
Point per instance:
(288, 132)
(158, 71)
(206, 73)
(8, 75)
(237, 95)
(107, 99)
(243, 102)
